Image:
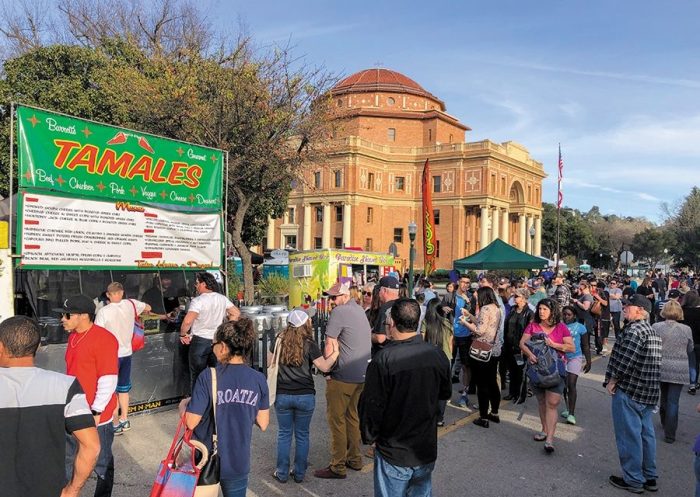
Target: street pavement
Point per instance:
(502, 460)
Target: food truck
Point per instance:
(98, 204)
(313, 271)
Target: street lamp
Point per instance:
(412, 229)
(532, 239)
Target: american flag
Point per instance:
(560, 198)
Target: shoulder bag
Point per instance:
(597, 308)
(210, 476)
(138, 339)
(273, 370)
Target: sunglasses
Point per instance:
(65, 315)
(367, 294)
(332, 297)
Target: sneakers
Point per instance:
(650, 485)
(122, 427)
(692, 390)
(484, 423)
(493, 417)
(619, 482)
(463, 401)
(276, 476)
(565, 414)
(571, 419)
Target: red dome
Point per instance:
(386, 80)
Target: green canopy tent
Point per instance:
(499, 255)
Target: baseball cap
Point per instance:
(389, 282)
(639, 301)
(338, 289)
(297, 318)
(674, 294)
(78, 304)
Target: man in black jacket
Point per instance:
(399, 405)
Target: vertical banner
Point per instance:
(428, 222)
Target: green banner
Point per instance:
(86, 159)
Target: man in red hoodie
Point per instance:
(91, 356)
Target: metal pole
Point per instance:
(9, 187)
(411, 259)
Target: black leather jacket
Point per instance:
(515, 325)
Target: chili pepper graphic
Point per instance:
(118, 139)
(143, 143)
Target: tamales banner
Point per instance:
(81, 158)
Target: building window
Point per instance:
(340, 102)
(430, 135)
(390, 101)
(370, 181)
(368, 245)
(290, 215)
(400, 183)
(338, 178)
(339, 213)
(370, 215)
(391, 134)
(318, 243)
(290, 241)
(319, 214)
(503, 185)
(450, 138)
(436, 216)
(398, 235)
(338, 242)
(317, 179)
(437, 248)
(437, 184)
(529, 193)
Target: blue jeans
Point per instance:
(200, 357)
(294, 414)
(104, 469)
(635, 439)
(668, 408)
(399, 481)
(234, 487)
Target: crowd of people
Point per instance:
(389, 362)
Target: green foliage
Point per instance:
(234, 283)
(684, 228)
(273, 285)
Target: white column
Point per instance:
(538, 236)
(523, 232)
(271, 233)
(306, 242)
(347, 212)
(484, 227)
(326, 236)
(495, 224)
(528, 239)
(505, 229)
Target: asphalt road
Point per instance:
(502, 460)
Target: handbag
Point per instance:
(210, 476)
(138, 339)
(597, 308)
(273, 370)
(178, 474)
(481, 351)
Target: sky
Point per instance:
(616, 82)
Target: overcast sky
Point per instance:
(616, 82)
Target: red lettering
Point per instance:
(176, 175)
(113, 165)
(157, 176)
(86, 156)
(142, 168)
(65, 147)
(193, 174)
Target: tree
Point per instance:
(684, 225)
(161, 69)
(650, 244)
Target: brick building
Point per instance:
(370, 190)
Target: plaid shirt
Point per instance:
(635, 363)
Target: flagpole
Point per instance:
(559, 201)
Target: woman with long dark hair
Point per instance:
(519, 317)
(243, 401)
(485, 328)
(436, 329)
(574, 361)
(548, 322)
(296, 396)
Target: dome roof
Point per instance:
(376, 79)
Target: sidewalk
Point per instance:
(496, 462)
